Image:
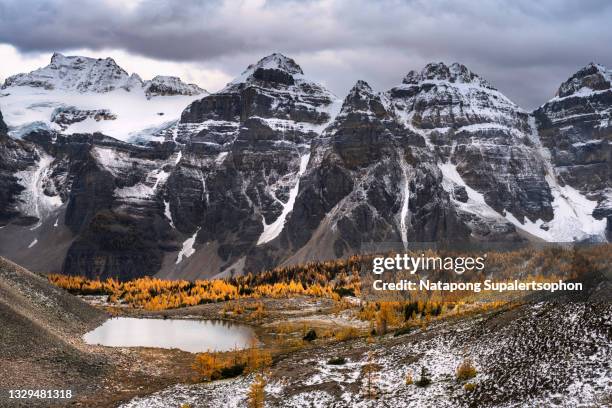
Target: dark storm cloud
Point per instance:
(525, 48)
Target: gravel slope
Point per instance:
(40, 337)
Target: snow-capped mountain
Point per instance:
(575, 128)
(275, 169)
(75, 73)
(169, 85)
(133, 109)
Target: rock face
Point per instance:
(478, 132)
(576, 128)
(370, 180)
(245, 150)
(3, 127)
(66, 116)
(103, 190)
(15, 156)
(275, 169)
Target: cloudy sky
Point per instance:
(524, 47)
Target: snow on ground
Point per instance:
(572, 211)
(188, 247)
(273, 229)
(557, 353)
(405, 198)
(32, 200)
(573, 219)
(226, 394)
(137, 116)
(111, 159)
(168, 213)
(143, 191)
(118, 162)
(476, 203)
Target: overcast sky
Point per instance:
(523, 47)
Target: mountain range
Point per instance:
(274, 169)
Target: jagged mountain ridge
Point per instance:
(275, 169)
(99, 75)
(75, 94)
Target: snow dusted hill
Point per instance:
(136, 109)
(275, 169)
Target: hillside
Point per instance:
(40, 338)
(549, 352)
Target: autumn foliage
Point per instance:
(343, 277)
(211, 366)
(311, 279)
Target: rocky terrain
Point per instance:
(552, 352)
(39, 337)
(274, 169)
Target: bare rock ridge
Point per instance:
(275, 169)
(3, 127)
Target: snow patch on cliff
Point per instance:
(188, 247)
(272, 230)
(33, 201)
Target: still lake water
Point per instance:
(188, 335)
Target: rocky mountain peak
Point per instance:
(280, 62)
(59, 60)
(361, 89)
(162, 85)
(438, 71)
(98, 75)
(363, 102)
(273, 69)
(593, 77)
(76, 73)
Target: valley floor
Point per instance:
(546, 352)
(561, 362)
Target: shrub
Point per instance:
(347, 333)
(469, 387)
(255, 396)
(311, 335)
(369, 371)
(212, 366)
(342, 291)
(466, 370)
(259, 312)
(424, 380)
(409, 380)
(232, 371)
(336, 361)
(257, 359)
